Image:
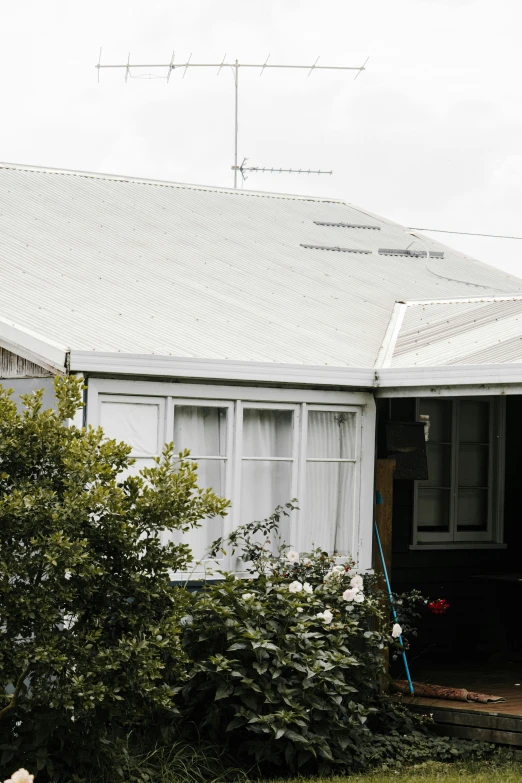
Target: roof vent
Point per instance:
(412, 253)
(339, 249)
(346, 225)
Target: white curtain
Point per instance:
(203, 431)
(330, 486)
(135, 423)
(266, 482)
(138, 425)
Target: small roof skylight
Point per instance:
(339, 249)
(412, 253)
(346, 225)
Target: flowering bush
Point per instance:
(89, 622)
(288, 672)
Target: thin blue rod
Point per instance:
(394, 613)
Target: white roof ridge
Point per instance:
(167, 183)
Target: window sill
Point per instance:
(458, 545)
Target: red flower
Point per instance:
(440, 606)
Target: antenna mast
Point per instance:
(234, 66)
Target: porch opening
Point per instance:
(457, 536)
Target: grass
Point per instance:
(500, 770)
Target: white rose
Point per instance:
(357, 581)
(295, 587)
(359, 598)
(396, 631)
(325, 616)
(349, 595)
(247, 596)
(339, 569)
(307, 587)
(21, 776)
(292, 557)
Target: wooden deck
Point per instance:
(494, 722)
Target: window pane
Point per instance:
(433, 509)
(329, 507)
(331, 435)
(439, 465)
(474, 421)
(201, 430)
(472, 510)
(267, 433)
(135, 423)
(473, 465)
(211, 474)
(440, 412)
(264, 485)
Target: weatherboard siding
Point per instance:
(13, 366)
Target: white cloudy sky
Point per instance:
(430, 135)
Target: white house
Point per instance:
(262, 331)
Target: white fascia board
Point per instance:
(381, 380)
(32, 346)
(219, 369)
(476, 379)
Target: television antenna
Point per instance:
(272, 170)
(234, 66)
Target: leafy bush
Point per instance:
(288, 664)
(89, 623)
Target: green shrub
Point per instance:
(288, 665)
(89, 623)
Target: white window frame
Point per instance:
(493, 536)
(235, 399)
(241, 405)
(135, 400)
(305, 459)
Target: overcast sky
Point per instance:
(430, 135)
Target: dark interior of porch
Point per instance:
(477, 643)
(480, 634)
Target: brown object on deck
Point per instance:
(426, 691)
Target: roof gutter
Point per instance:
(219, 369)
(381, 380)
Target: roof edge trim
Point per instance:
(32, 346)
(449, 375)
(95, 362)
(219, 369)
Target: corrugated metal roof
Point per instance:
(460, 333)
(116, 264)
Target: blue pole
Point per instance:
(394, 613)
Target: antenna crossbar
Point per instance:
(234, 66)
(263, 66)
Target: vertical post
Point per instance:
(236, 79)
(384, 515)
